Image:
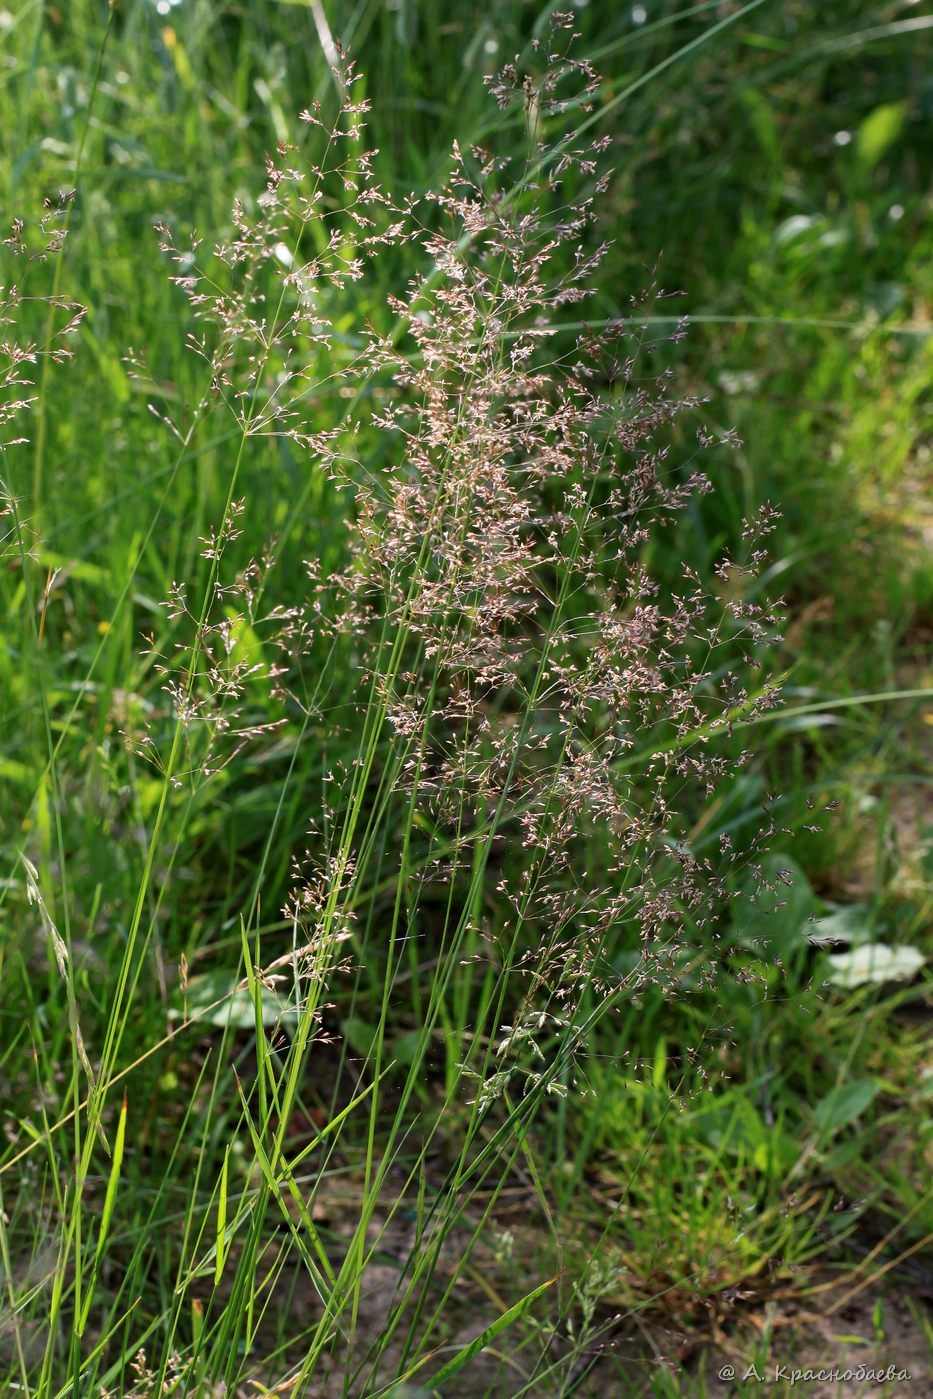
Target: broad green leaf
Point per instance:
(75, 568)
(659, 1072)
(219, 998)
(794, 227)
(245, 646)
(805, 234)
(845, 1103)
(874, 963)
(358, 1033)
(404, 1048)
(878, 132)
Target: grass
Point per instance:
(332, 1201)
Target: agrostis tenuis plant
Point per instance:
(523, 715)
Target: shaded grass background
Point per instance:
(777, 158)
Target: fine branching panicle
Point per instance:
(531, 684)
